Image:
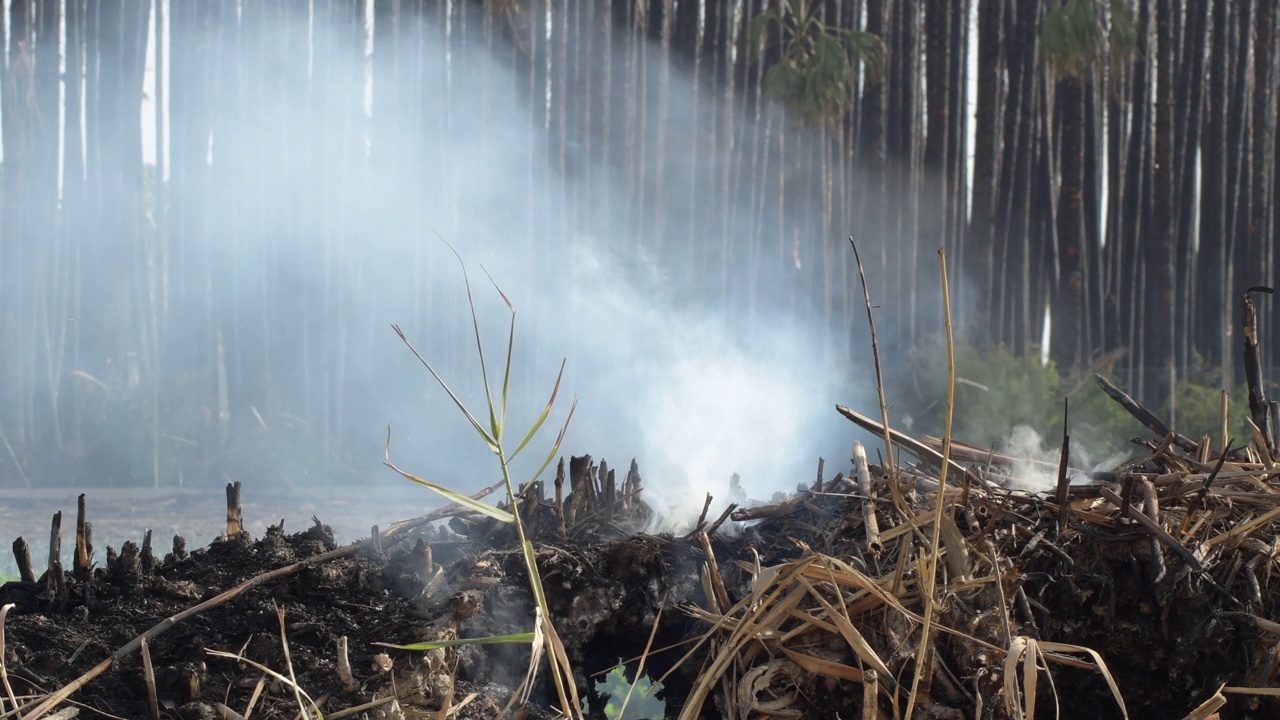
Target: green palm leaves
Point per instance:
(1080, 35)
(815, 70)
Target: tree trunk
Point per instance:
(979, 256)
(1159, 246)
(1069, 308)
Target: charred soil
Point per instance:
(784, 610)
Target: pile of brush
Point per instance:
(1145, 589)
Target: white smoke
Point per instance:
(1036, 467)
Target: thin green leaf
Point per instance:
(463, 500)
(475, 326)
(523, 638)
(543, 417)
(511, 345)
(555, 448)
(488, 439)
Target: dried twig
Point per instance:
(1143, 415)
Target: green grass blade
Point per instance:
(561, 670)
(543, 417)
(467, 502)
(494, 427)
(489, 440)
(513, 639)
(511, 345)
(555, 448)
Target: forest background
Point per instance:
(213, 210)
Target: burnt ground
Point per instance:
(1169, 638)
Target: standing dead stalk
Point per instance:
(1226, 406)
(720, 520)
(702, 519)
(713, 569)
(53, 575)
(22, 557)
(1064, 507)
(80, 568)
(564, 530)
(1258, 406)
(868, 493)
(927, 586)
(345, 679)
(870, 688)
(4, 674)
(149, 677)
(235, 522)
(875, 352)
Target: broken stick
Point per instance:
(1143, 415)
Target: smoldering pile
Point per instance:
(1142, 591)
(916, 587)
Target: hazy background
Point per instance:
(214, 211)
(308, 205)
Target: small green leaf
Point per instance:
(480, 507)
(484, 435)
(543, 417)
(524, 638)
(456, 497)
(555, 448)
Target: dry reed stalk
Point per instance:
(255, 696)
(928, 585)
(1225, 419)
(1208, 710)
(702, 519)
(875, 352)
(868, 493)
(227, 713)
(870, 689)
(720, 520)
(345, 680)
(235, 522)
(564, 530)
(293, 680)
(357, 709)
(4, 673)
(1260, 440)
(1151, 507)
(713, 569)
(1064, 507)
(149, 678)
(80, 568)
(240, 658)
